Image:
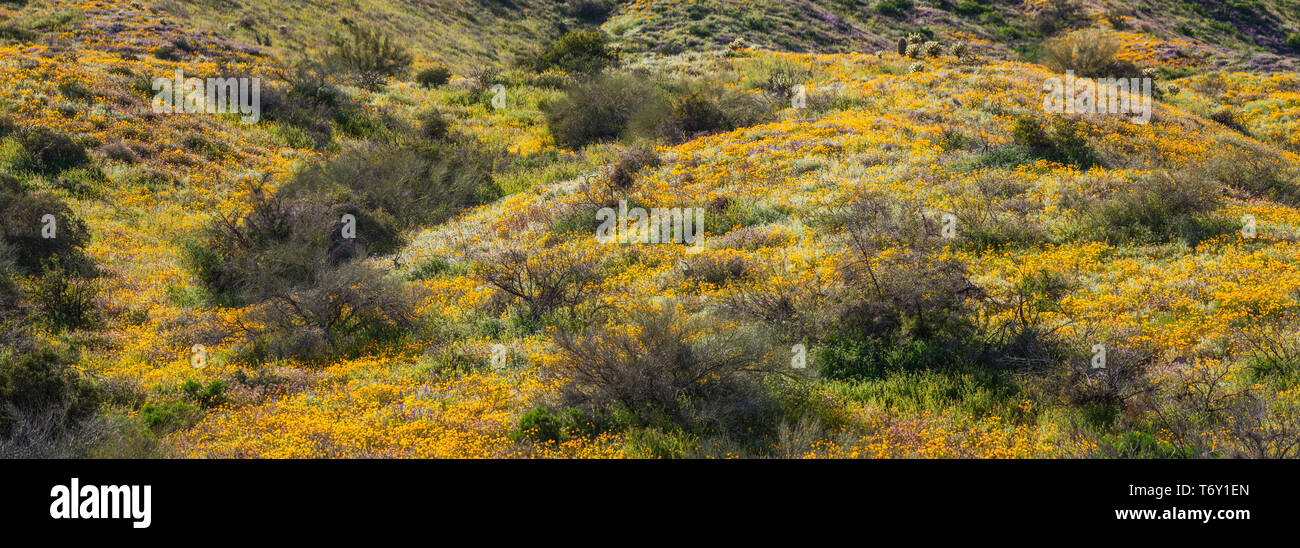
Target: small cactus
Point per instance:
(916, 67)
(913, 51)
(736, 47)
(959, 49)
(932, 49)
(914, 38)
(1173, 90)
(902, 46)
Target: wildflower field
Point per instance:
(422, 247)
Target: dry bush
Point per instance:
(910, 289)
(996, 212)
(1252, 170)
(1248, 422)
(1055, 15)
(1025, 341)
(1089, 53)
(1121, 380)
(372, 55)
(622, 174)
(753, 238)
(718, 269)
(543, 281)
(664, 374)
(346, 308)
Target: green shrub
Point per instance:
(683, 110)
(169, 416)
(42, 394)
(63, 294)
(289, 258)
(724, 215)
(206, 396)
(433, 77)
(894, 8)
(973, 394)
(1065, 143)
(1294, 41)
(1152, 209)
(599, 110)
(413, 185)
(11, 31)
(431, 268)
(49, 20)
(903, 305)
(434, 125)
(1140, 445)
(972, 7)
(49, 152)
(546, 425)
(1000, 158)
(1089, 53)
(581, 52)
(590, 11)
(1251, 169)
(371, 54)
(21, 233)
(311, 103)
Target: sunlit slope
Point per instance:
(940, 135)
(927, 137)
(464, 34)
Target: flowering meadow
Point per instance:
(960, 273)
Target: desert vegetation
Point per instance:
(900, 251)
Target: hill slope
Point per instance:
(1069, 232)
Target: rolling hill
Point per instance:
(904, 255)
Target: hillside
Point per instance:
(910, 259)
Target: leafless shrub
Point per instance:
(1120, 378)
(1025, 341)
(1204, 405)
(1058, 14)
(716, 269)
(1252, 170)
(997, 211)
(751, 237)
(481, 78)
(542, 281)
(46, 434)
(347, 307)
(909, 288)
(664, 374)
(623, 173)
